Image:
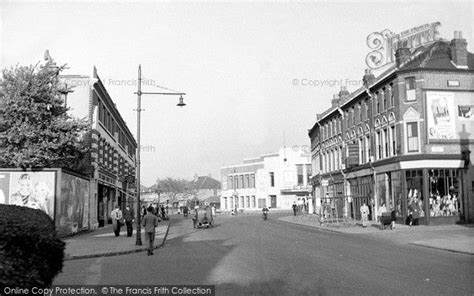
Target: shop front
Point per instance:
(427, 196)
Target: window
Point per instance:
(247, 181)
(386, 142)
(230, 182)
(392, 98)
(231, 202)
(415, 198)
(377, 99)
(360, 111)
(392, 137)
(299, 172)
(378, 143)
(248, 201)
(385, 94)
(253, 201)
(236, 181)
(353, 115)
(412, 136)
(225, 203)
(242, 202)
(241, 181)
(410, 85)
(309, 173)
(252, 181)
(272, 179)
(367, 148)
(444, 188)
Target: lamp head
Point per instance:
(181, 103)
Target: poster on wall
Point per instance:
(466, 112)
(441, 116)
(30, 189)
(73, 205)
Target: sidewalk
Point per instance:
(454, 238)
(103, 242)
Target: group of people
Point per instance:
(149, 222)
(300, 206)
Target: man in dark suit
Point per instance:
(129, 216)
(150, 221)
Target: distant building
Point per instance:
(404, 139)
(273, 180)
(113, 147)
(205, 187)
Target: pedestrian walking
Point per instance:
(213, 210)
(150, 221)
(295, 208)
(117, 217)
(364, 212)
(129, 217)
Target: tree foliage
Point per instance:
(36, 129)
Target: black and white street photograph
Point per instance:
(202, 147)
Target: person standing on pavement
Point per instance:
(150, 221)
(129, 219)
(295, 208)
(364, 212)
(116, 219)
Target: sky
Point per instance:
(255, 74)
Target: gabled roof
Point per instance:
(206, 182)
(436, 55)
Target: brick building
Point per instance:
(113, 147)
(402, 141)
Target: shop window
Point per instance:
(415, 197)
(412, 137)
(444, 200)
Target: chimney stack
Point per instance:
(402, 54)
(343, 93)
(335, 101)
(459, 50)
(368, 77)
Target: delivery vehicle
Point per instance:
(203, 218)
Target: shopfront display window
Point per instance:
(415, 197)
(444, 199)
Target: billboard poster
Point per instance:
(466, 112)
(30, 189)
(73, 205)
(441, 115)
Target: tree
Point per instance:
(173, 186)
(37, 131)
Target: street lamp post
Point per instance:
(139, 110)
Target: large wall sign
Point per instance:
(384, 44)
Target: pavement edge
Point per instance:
(110, 254)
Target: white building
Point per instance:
(274, 180)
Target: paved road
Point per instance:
(247, 256)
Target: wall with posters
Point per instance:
(72, 208)
(31, 189)
(448, 113)
(64, 196)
